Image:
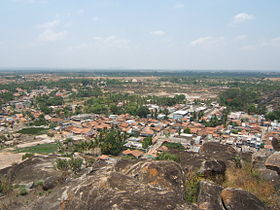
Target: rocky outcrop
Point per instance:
(276, 143)
(269, 175)
(35, 168)
(209, 196)
(50, 183)
(239, 199)
(190, 161)
(214, 197)
(212, 158)
(259, 158)
(140, 185)
(210, 168)
(258, 162)
(273, 162)
(214, 150)
(127, 184)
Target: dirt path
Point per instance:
(8, 158)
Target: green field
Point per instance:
(33, 131)
(40, 149)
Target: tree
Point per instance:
(156, 114)
(40, 121)
(114, 109)
(275, 115)
(97, 109)
(131, 108)
(78, 110)
(179, 131)
(45, 109)
(29, 115)
(111, 142)
(180, 98)
(147, 142)
(240, 99)
(165, 111)
(143, 111)
(200, 114)
(187, 130)
(251, 109)
(194, 116)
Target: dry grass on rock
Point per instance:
(250, 180)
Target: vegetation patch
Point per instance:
(192, 187)
(147, 142)
(40, 149)
(33, 131)
(74, 164)
(38, 183)
(23, 191)
(275, 115)
(168, 156)
(27, 155)
(242, 99)
(171, 145)
(5, 185)
(250, 180)
(111, 142)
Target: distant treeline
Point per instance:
(141, 73)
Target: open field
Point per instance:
(40, 149)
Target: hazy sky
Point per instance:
(145, 34)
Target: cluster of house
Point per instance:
(245, 132)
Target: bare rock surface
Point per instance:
(209, 196)
(273, 162)
(191, 161)
(211, 168)
(214, 150)
(234, 199)
(212, 159)
(214, 197)
(127, 184)
(259, 158)
(276, 143)
(140, 185)
(33, 169)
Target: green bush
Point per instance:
(27, 155)
(192, 187)
(147, 142)
(237, 161)
(187, 130)
(50, 134)
(168, 156)
(235, 131)
(83, 146)
(275, 115)
(62, 164)
(38, 183)
(74, 164)
(23, 191)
